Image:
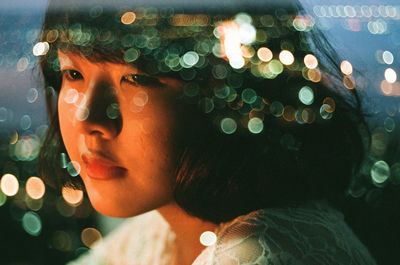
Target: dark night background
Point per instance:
(49, 231)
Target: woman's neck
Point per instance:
(187, 230)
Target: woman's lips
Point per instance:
(102, 169)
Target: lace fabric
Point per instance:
(142, 240)
(314, 234)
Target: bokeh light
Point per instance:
(249, 95)
(349, 82)
(286, 57)
(33, 204)
(228, 125)
(314, 75)
(276, 108)
(61, 240)
(71, 96)
(40, 48)
(306, 95)
(390, 75)
(255, 125)
(32, 95)
(9, 184)
(387, 57)
(275, 67)
(189, 59)
(72, 196)
(22, 64)
(131, 55)
(264, 54)
(308, 115)
(380, 172)
(89, 236)
(128, 18)
(208, 238)
(325, 112)
(389, 124)
(73, 168)
(32, 223)
(140, 98)
(35, 188)
(289, 113)
(346, 67)
(331, 103)
(310, 61)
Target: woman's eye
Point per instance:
(72, 75)
(142, 80)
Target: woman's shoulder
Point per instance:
(313, 233)
(144, 239)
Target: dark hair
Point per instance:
(303, 152)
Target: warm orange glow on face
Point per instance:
(9, 184)
(72, 196)
(35, 188)
(124, 142)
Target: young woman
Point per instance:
(220, 123)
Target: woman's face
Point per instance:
(117, 124)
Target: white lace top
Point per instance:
(314, 234)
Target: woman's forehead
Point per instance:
(68, 58)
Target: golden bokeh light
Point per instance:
(349, 82)
(52, 35)
(386, 87)
(308, 115)
(289, 113)
(346, 68)
(89, 236)
(286, 57)
(208, 238)
(331, 102)
(35, 188)
(128, 18)
(265, 54)
(247, 51)
(9, 184)
(390, 89)
(14, 138)
(72, 196)
(310, 61)
(390, 75)
(314, 75)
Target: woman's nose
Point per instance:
(104, 116)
